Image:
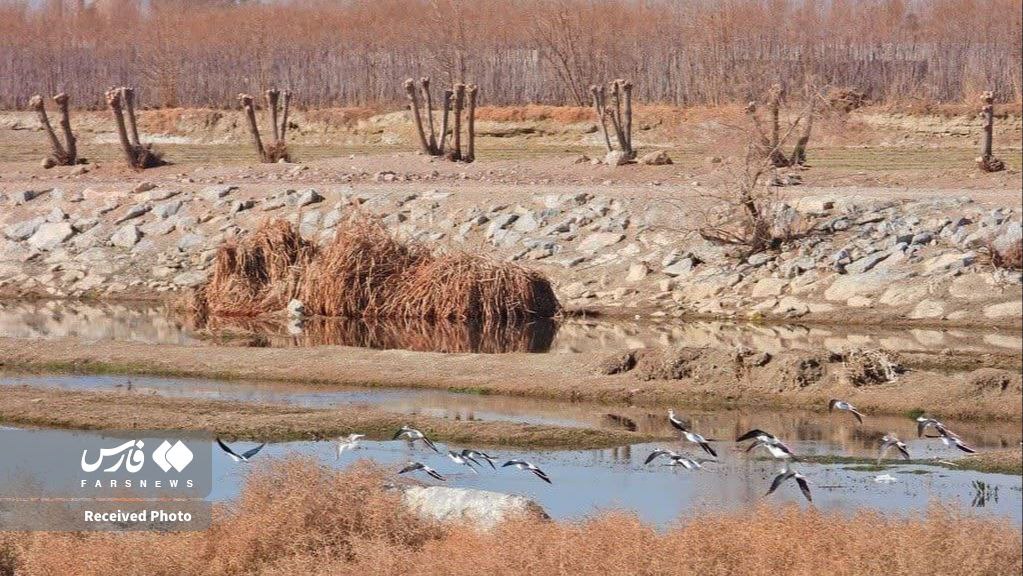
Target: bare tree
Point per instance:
(122, 103)
(987, 160)
(619, 115)
(770, 140)
(459, 98)
(277, 103)
(65, 154)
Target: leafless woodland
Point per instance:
(683, 52)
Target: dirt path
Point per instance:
(711, 378)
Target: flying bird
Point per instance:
(244, 456)
(923, 423)
(350, 442)
(786, 474)
(836, 404)
(459, 459)
(476, 455)
(775, 446)
(887, 442)
(952, 440)
(660, 452)
(523, 465)
(689, 435)
(412, 434)
(413, 466)
(685, 462)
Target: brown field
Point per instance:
(295, 518)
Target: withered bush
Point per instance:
(366, 272)
(295, 518)
(255, 273)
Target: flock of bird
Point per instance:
(472, 459)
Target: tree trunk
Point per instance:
(987, 160)
(250, 114)
(71, 144)
(448, 93)
(410, 91)
(456, 146)
(114, 102)
(128, 96)
(616, 115)
(284, 115)
(627, 87)
(424, 83)
(470, 154)
(798, 157)
(59, 154)
(273, 97)
(598, 106)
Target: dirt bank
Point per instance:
(709, 378)
(269, 422)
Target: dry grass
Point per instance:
(366, 272)
(295, 518)
(1008, 257)
(1007, 461)
(257, 272)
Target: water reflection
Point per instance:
(155, 324)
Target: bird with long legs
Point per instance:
(889, 441)
(524, 465)
(787, 473)
(778, 449)
(414, 466)
(689, 435)
(836, 404)
(412, 435)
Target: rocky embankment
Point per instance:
(856, 258)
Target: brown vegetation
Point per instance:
(202, 52)
(365, 272)
(459, 98)
(297, 518)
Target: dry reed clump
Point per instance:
(869, 367)
(1008, 256)
(298, 519)
(358, 272)
(254, 274)
(365, 272)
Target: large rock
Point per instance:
(1005, 310)
(616, 158)
(769, 287)
(950, 261)
(656, 158)
(303, 198)
(867, 284)
(600, 240)
(50, 235)
(190, 279)
(127, 236)
(24, 229)
(928, 309)
(134, 212)
(167, 209)
(482, 508)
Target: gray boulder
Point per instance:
(50, 235)
(126, 236)
(482, 508)
(24, 229)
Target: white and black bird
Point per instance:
(685, 462)
(888, 442)
(770, 442)
(690, 435)
(948, 437)
(836, 404)
(786, 474)
(523, 465)
(459, 459)
(476, 456)
(350, 442)
(413, 466)
(660, 452)
(244, 456)
(412, 435)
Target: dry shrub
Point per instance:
(432, 336)
(619, 362)
(356, 274)
(277, 152)
(254, 274)
(667, 364)
(365, 272)
(870, 367)
(295, 518)
(461, 287)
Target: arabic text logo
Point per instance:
(132, 449)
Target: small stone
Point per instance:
(190, 279)
(50, 235)
(126, 237)
(769, 287)
(304, 198)
(143, 187)
(56, 215)
(167, 209)
(24, 229)
(680, 268)
(133, 212)
(637, 272)
(616, 158)
(191, 241)
(928, 309)
(214, 193)
(600, 240)
(656, 158)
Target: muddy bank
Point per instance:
(269, 422)
(704, 378)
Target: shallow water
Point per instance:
(838, 430)
(587, 482)
(154, 324)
